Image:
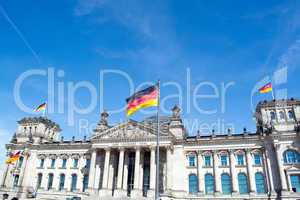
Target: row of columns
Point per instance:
(121, 174)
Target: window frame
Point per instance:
(255, 159)
(193, 184)
(206, 164)
(192, 160)
(242, 161)
(64, 163)
(226, 160)
(53, 162)
(74, 180)
(288, 160)
(75, 163)
(243, 183)
(226, 183)
(62, 183)
(209, 183)
(39, 181)
(260, 184)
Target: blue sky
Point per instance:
(217, 41)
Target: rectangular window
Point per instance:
(88, 163)
(20, 162)
(52, 163)
(240, 159)
(16, 181)
(42, 162)
(75, 163)
(224, 160)
(207, 161)
(192, 161)
(64, 163)
(257, 159)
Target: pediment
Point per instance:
(129, 130)
(293, 168)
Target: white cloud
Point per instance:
(147, 21)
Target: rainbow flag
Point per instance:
(266, 88)
(142, 99)
(13, 158)
(41, 107)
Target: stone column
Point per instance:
(265, 168)
(80, 176)
(125, 180)
(250, 171)
(136, 190)
(97, 178)
(141, 175)
(281, 169)
(92, 171)
(151, 192)
(217, 177)
(120, 184)
(169, 169)
(23, 172)
(111, 174)
(106, 169)
(4, 176)
(272, 165)
(200, 173)
(234, 183)
(120, 168)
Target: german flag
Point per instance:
(41, 107)
(142, 99)
(266, 88)
(13, 158)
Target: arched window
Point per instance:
(85, 183)
(193, 184)
(50, 182)
(226, 183)
(291, 115)
(62, 178)
(281, 115)
(273, 116)
(74, 182)
(209, 184)
(291, 157)
(260, 182)
(243, 183)
(39, 181)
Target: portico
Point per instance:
(127, 171)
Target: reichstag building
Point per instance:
(118, 162)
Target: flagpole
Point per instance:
(273, 96)
(45, 110)
(157, 145)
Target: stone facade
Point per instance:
(118, 162)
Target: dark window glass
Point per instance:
(209, 184)
(226, 183)
(260, 183)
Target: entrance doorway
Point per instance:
(146, 173)
(130, 180)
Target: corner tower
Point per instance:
(278, 115)
(36, 130)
